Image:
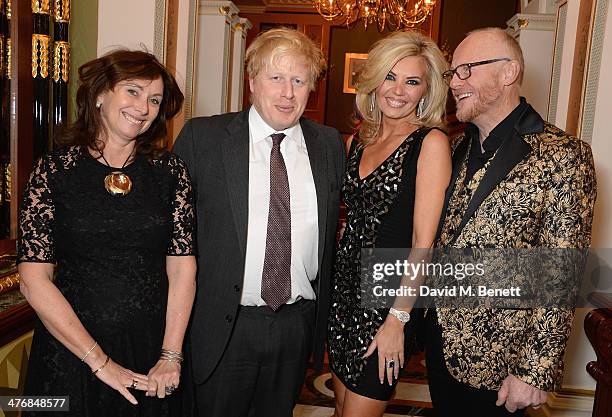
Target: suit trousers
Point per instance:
(263, 367)
(450, 397)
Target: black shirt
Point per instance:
(477, 158)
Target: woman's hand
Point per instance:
(120, 378)
(390, 343)
(165, 374)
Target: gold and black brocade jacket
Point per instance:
(538, 190)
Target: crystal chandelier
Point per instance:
(394, 14)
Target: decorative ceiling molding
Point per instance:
(262, 6)
(251, 9)
(287, 2)
(522, 21)
(219, 7)
(295, 5)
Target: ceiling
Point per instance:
(300, 6)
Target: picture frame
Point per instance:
(592, 70)
(555, 78)
(579, 63)
(160, 38)
(353, 64)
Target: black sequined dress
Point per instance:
(110, 253)
(379, 215)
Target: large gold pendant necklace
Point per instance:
(117, 183)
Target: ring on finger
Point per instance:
(134, 383)
(390, 363)
(169, 390)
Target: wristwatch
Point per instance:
(402, 316)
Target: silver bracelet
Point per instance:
(402, 316)
(171, 356)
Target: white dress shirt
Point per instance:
(304, 213)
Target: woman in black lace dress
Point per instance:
(106, 247)
(398, 169)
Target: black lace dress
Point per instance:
(379, 215)
(110, 253)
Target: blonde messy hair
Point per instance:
(382, 57)
(273, 44)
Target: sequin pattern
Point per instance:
(353, 327)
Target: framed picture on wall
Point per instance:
(555, 79)
(590, 82)
(583, 34)
(353, 64)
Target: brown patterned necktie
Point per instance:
(276, 277)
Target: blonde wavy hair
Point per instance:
(272, 44)
(382, 57)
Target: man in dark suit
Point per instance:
(518, 183)
(268, 186)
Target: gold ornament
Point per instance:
(7, 178)
(9, 52)
(118, 183)
(41, 6)
(2, 69)
(61, 11)
(61, 55)
(40, 55)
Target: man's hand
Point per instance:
(518, 394)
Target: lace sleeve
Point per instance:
(183, 211)
(35, 243)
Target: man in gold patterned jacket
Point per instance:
(518, 182)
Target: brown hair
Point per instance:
(103, 74)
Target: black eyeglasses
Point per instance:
(464, 71)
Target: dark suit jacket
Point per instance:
(216, 151)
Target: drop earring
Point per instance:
(98, 105)
(420, 108)
(372, 102)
